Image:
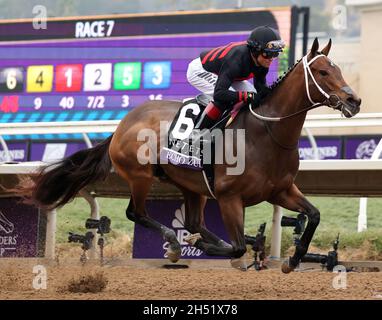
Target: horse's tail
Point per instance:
(58, 183)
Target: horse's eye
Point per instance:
(323, 72)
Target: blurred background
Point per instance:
(341, 20)
(321, 10)
(321, 14)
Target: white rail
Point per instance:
(336, 121)
(340, 165)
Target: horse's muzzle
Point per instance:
(351, 106)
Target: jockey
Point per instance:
(223, 72)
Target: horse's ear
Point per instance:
(314, 49)
(326, 50)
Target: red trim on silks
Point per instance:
(230, 46)
(220, 49)
(245, 96)
(240, 96)
(209, 54)
(245, 78)
(212, 111)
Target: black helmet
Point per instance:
(266, 40)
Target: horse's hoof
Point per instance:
(192, 238)
(173, 253)
(240, 264)
(172, 256)
(286, 267)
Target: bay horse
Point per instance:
(271, 162)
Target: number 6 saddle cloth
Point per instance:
(191, 148)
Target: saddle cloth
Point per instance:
(180, 150)
(193, 152)
(196, 152)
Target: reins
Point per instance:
(276, 119)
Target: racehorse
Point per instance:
(272, 132)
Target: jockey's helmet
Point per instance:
(265, 40)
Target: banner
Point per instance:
(52, 151)
(149, 244)
(20, 229)
(361, 147)
(328, 148)
(18, 151)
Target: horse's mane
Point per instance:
(281, 78)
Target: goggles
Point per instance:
(270, 54)
(273, 48)
(276, 45)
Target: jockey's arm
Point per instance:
(223, 96)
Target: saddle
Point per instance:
(188, 152)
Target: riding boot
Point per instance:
(205, 122)
(209, 117)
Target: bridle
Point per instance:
(332, 100)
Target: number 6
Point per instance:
(176, 133)
(11, 79)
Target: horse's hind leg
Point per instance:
(136, 212)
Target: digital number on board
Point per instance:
(85, 85)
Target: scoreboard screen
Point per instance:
(101, 68)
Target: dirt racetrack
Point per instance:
(139, 282)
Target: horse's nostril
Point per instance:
(353, 102)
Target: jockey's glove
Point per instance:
(254, 99)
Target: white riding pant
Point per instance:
(205, 81)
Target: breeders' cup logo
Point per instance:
(182, 233)
(365, 149)
(7, 241)
(6, 225)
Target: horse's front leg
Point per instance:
(194, 222)
(293, 199)
(233, 217)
